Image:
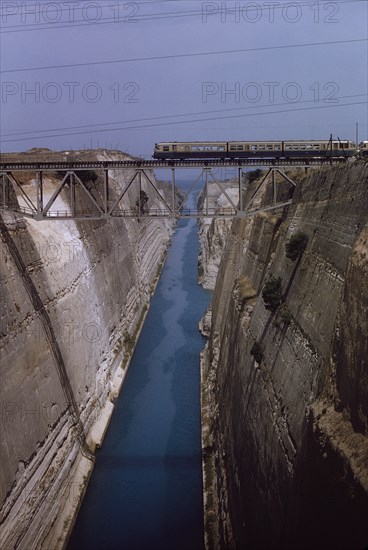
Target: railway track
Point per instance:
(176, 163)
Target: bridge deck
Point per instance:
(152, 164)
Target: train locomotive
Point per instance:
(322, 149)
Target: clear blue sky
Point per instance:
(139, 65)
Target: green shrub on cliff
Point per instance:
(285, 315)
(129, 341)
(272, 293)
(256, 352)
(296, 245)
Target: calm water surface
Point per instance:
(146, 487)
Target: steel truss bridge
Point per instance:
(104, 202)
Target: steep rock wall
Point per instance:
(287, 445)
(94, 280)
(213, 231)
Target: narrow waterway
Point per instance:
(146, 488)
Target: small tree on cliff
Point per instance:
(285, 316)
(272, 293)
(256, 352)
(296, 245)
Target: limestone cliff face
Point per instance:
(287, 438)
(93, 281)
(213, 232)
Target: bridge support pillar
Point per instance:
(39, 191)
(240, 184)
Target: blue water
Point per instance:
(146, 487)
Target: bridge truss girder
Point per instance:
(36, 206)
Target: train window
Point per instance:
(254, 147)
(166, 148)
(269, 148)
(277, 147)
(240, 148)
(309, 146)
(232, 147)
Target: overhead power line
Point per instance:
(164, 117)
(140, 16)
(184, 122)
(183, 55)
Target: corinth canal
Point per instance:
(146, 488)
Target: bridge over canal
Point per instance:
(104, 204)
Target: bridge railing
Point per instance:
(121, 213)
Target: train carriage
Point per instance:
(363, 148)
(186, 150)
(255, 149)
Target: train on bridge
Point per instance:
(311, 149)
